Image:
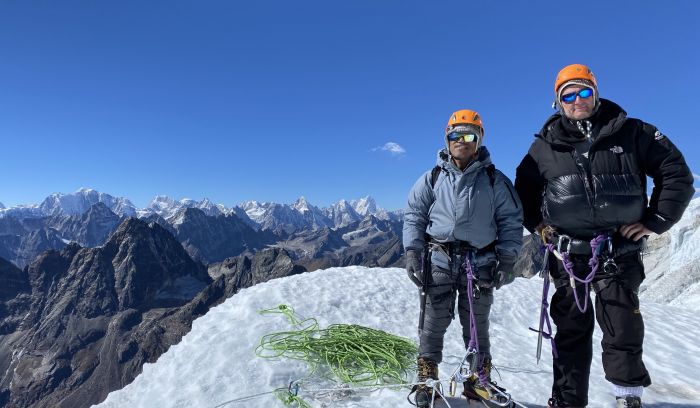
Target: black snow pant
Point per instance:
(444, 288)
(618, 315)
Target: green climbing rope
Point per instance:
(354, 355)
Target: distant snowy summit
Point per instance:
(71, 204)
(167, 207)
(80, 201)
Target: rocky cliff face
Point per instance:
(369, 242)
(80, 322)
(212, 239)
(247, 270)
(21, 240)
(89, 229)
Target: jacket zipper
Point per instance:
(586, 177)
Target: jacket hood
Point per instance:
(607, 120)
(482, 159)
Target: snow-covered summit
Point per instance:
(301, 205)
(71, 204)
(167, 207)
(216, 361)
(162, 202)
(342, 213)
(364, 206)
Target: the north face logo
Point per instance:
(616, 149)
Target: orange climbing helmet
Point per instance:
(573, 72)
(464, 117)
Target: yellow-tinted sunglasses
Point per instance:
(463, 136)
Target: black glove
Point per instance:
(413, 267)
(504, 274)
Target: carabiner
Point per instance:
(293, 388)
(563, 238)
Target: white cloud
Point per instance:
(393, 148)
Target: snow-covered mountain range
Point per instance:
(209, 232)
(167, 207)
(289, 218)
(216, 361)
(302, 215)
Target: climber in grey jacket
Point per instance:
(464, 207)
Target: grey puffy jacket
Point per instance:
(463, 206)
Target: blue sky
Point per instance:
(272, 100)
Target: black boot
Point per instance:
(555, 402)
(474, 390)
(427, 369)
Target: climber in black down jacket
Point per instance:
(585, 178)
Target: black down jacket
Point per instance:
(581, 197)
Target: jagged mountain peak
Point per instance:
(364, 206)
(190, 214)
(160, 200)
(302, 205)
(167, 207)
(81, 200)
(135, 227)
(342, 213)
(342, 204)
(148, 260)
(249, 204)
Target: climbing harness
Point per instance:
(562, 251)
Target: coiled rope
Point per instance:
(354, 354)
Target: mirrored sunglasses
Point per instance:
(583, 94)
(463, 136)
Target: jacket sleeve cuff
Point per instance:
(657, 223)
